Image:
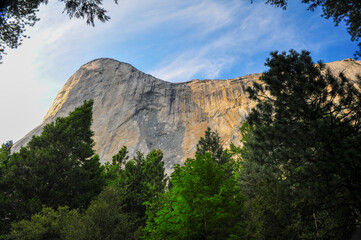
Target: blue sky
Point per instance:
(175, 41)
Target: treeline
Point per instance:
(296, 175)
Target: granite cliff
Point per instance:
(142, 112)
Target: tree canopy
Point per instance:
(118, 212)
(57, 168)
(47, 224)
(143, 179)
(204, 201)
(211, 143)
(302, 152)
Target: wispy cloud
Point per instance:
(243, 35)
(248, 31)
(188, 66)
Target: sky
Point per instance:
(176, 41)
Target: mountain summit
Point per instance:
(142, 112)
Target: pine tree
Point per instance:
(142, 180)
(57, 168)
(301, 152)
(114, 170)
(211, 143)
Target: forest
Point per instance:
(295, 174)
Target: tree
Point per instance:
(204, 200)
(142, 180)
(5, 152)
(301, 152)
(57, 168)
(16, 15)
(340, 10)
(47, 224)
(118, 212)
(211, 143)
(204, 203)
(103, 220)
(114, 170)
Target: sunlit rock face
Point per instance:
(142, 112)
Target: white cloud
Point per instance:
(241, 37)
(248, 30)
(186, 66)
(138, 15)
(202, 61)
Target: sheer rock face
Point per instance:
(142, 112)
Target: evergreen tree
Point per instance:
(5, 202)
(57, 168)
(142, 180)
(114, 170)
(118, 212)
(211, 143)
(5, 152)
(302, 152)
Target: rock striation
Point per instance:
(142, 112)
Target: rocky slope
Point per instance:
(142, 112)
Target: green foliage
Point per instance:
(114, 170)
(4, 202)
(47, 224)
(5, 152)
(142, 180)
(301, 152)
(57, 168)
(204, 200)
(211, 143)
(204, 203)
(103, 220)
(340, 10)
(118, 212)
(121, 157)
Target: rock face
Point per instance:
(142, 112)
